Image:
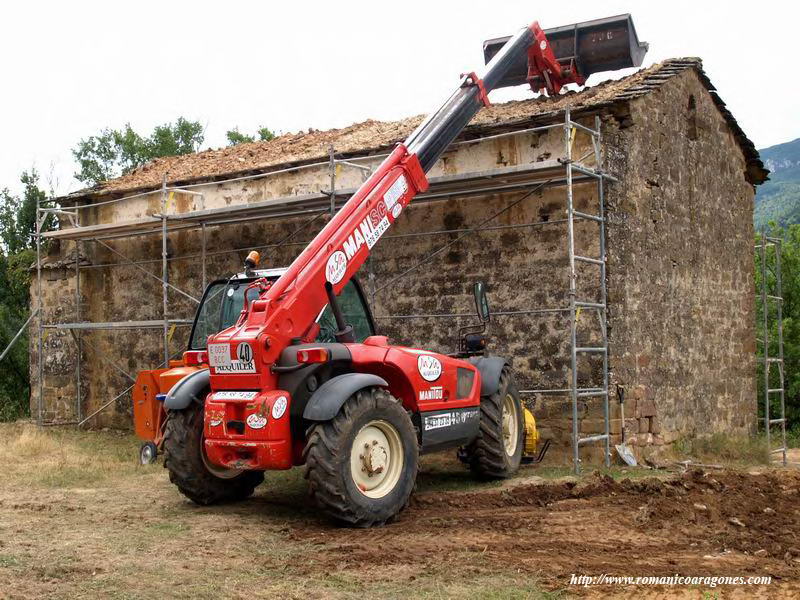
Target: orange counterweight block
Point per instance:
(148, 396)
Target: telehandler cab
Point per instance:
(284, 387)
(220, 306)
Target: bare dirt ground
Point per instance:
(78, 519)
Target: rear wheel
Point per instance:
(362, 465)
(189, 469)
(497, 451)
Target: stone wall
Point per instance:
(60, 347)
(680, 252)
(680, 273)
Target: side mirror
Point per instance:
(481, 302)
(472, 342)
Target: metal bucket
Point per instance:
(606, 44)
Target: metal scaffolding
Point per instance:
(576, 304)
(566, 171)
(772, 295)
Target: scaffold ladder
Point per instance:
(766, 301)
(576, 305)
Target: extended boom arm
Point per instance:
(337, 252)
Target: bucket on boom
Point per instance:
(580, 49)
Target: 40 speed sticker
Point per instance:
(429, 367)
(244, 352)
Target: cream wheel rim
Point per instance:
(376, 459)
(510, 425)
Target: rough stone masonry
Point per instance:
(679, 250)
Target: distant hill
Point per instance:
(779, 198)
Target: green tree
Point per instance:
(184, 137)
(264, 134)
(790, 289)
(18, 214)
(17, 243)
(14, 370)
(115, 152)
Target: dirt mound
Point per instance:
(695, 523)
(740, 511)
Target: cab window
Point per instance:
(222, 304)
(355, 314)
(223, 301)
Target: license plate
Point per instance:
(219, 355)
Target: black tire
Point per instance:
(486, 455)
(148, 453)
(328, 451)
(184, 459)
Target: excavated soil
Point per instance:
(699, 523)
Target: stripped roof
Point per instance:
(370, 137)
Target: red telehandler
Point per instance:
(301, 378)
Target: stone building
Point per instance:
(678, 189)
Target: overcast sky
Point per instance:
(72, 68)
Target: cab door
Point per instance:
(356, 314)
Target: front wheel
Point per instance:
(362, 465)
(189, 469)
(148, 452)
(497, 451)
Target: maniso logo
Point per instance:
(337, 265)
(429, 367)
